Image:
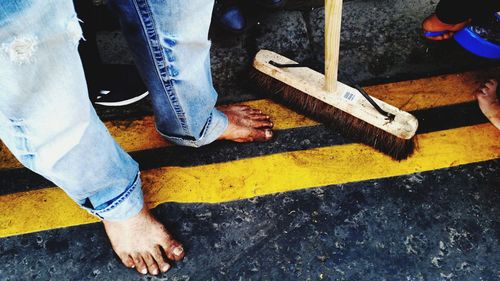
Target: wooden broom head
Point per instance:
(346, 109)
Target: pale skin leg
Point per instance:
(487, 98)
(145, 244)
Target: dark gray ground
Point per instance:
(439, 225)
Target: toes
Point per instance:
(246, 125)
(178, 253)
(260, 117)
(268, 134)
(447, 35)
(255, 111)
(262, 135)
(151, 264)
(140, 266)
(262, 124)
(160, 260)
(173, 250)
(127, 261)
(481, 92)
(491, 84)
(488, 89)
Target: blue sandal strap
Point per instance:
(435, 33)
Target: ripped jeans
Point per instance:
(47, 120)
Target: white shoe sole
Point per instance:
(123, 102)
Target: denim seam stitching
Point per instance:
(122, 198)
(142, 7)
(195, 142)
(28, 152)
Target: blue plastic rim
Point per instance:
(435, 33)
(475, 44)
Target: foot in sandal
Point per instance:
(435, 29)
(488, 101)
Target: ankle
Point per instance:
(141, 216)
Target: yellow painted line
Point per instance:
(431, 92)
(43, 209)
(49, 208)
(135, 135)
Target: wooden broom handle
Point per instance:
(333, 21)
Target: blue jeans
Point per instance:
(47, 121)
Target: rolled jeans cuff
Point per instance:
(126, 205)
(216, 125)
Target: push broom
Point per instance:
(349, 109)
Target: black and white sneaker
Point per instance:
(119, 85)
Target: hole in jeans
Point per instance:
(74, 30)
(21, 49)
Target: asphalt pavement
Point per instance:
(354, 215)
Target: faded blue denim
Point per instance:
(169, 42)
(47, 121)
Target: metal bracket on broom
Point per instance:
(390, 116)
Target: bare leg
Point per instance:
(143, 243)
(246, 124)
(488, 101)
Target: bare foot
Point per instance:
(433, 24)
(488, 101)
(142, 243)
(246, 124)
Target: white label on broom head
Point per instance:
(349, 96)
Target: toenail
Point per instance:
(155, 272)
(269, 133)
(178, 250)
(144, 271)
(165, 268)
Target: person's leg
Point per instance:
(450, 17)
(108, 84)
(48, 123)
(487, 97)
(437, 30)
(453, 15)
(169, 41)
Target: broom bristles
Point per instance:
(350, 126)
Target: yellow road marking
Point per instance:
(134, 135)
(430, 92)
(49, 208)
